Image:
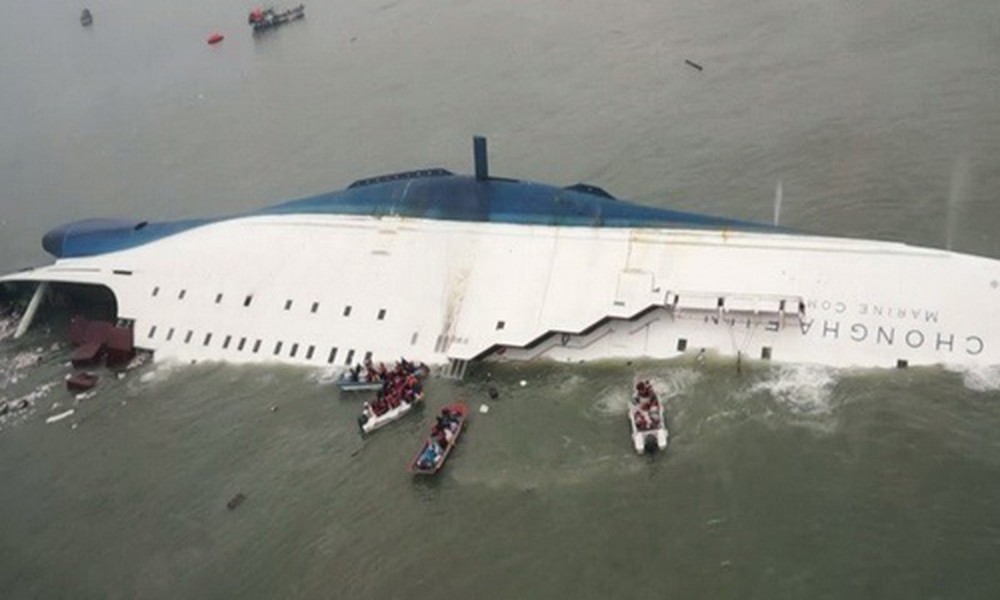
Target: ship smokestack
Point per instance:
(482, 163)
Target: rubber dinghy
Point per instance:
(645, 416)
(365, 379)
(371, 419)
(443, 437)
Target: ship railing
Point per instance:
(763, 306)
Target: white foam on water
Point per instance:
(802, 389)
(614, 402)
(326, 376)
(981, 379)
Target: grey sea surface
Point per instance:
(880, 119)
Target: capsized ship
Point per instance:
(447, 269)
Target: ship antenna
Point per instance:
(777, 204)
(479, 154)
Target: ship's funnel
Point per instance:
(479, 153)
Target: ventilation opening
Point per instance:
(381, 314)
(501, 325)
(682, 345)
(902, 363)
(347, 311)
(765, 353)
(248, 300)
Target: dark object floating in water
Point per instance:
(215, 38)
(266, 18)
(235, 501)
(86, 18)
(694, 64)
(81, 381)
(494, 392)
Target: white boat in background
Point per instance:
(647, 421)
(449, 269)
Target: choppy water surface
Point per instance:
(881, 120)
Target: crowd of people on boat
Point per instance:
(442, 435)
(647, 416)
(401, 384)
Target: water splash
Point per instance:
(981, 379)
(802, 389)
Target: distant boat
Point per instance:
(86, 18)
(267, 18)
(443, 437)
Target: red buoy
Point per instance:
(215, 38)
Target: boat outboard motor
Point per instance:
(362, 419)
(649, 443)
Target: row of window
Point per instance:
(248, 300)
(244, 345)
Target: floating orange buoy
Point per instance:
(215, 38)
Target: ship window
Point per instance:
(902, 363)
(721, 302)
(315, 307)
(765, 353)
(256, 346)
(225, 342)
(333, 355)
(152, 331)
(501, 325)
(187, 338)
(368, 356)
(170, 334)
(781, 306)
(350, 357)
(309, 352)
(248, 300)
(347, 311)
(277, 348)
(218, 298)
(413, 338)
(295, 350)
(180, 296)
(682, 344)
(156, 290)
(381, 314)
(208, 338)
(288, 304)
(243, 342)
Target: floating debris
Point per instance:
(693, 64)
(484, 409)
(235, 501)
(493, 392)
(60, 416)
(523, 382)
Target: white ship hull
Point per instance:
(320, 289)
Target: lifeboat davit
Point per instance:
(215, 38)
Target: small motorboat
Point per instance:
(86, 18)
(645, 416)
(348, 383)
(215, 38)
(443, 437)
(81, 381)
(267, 18)
(371, 419)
